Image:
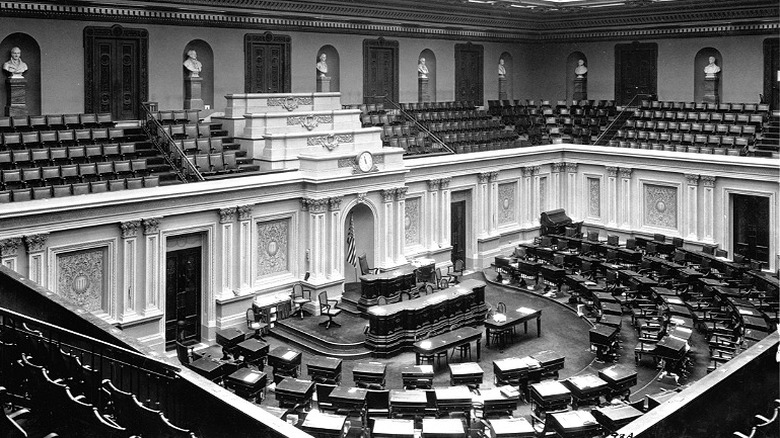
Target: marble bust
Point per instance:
(580, 70)
(192, 64)
(711, 70)
(15, 66)
(322, 65)
(422, 69)
(501, 68)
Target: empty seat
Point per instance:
(98, 186)
(42, 192)
(151, 181)
(116, 185)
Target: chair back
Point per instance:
(250, 317)
(323, 396)
(458, 265)
(378, 399)
(323, 299)
(501, 307)
(363, 261)
(182, 352)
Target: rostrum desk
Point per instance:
(397, 326)
(385, 284)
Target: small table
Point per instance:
(571, 424)
(511, 428)
(247, 382)
(408, 402)
(550, 395)
(285, 362)
(453, 399)
(511, 319)
(323, 425)
(417, 376)
(620, 379)
(442, 428)
(392, 428)
(291, 392)
(448, 340)
(367, 374)
(467, 373)
(324, 369)
(253, 351)
(615, 417)
(586, 388)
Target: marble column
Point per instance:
(129, 288)
(227, 219)
(526, 219)
(432, 214)
(400, 225)
(691, 230)
(625, 209)
(9, 252)
(317, 238)
(709, 207)
(336, 241)
(244, 248)
(36, 268)
(572, 189)
(445, 224)
(388, 228)
(152, 298)
(612, 196)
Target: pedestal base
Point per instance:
(192, 93)
(580, 89)
(502, 94)
(423, 93)
(711, 91)
(323, 84)
(17, 97)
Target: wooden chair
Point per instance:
(455, 271)
(300, 297)
(254, 323)
(328, 308)
(364, 269)
(186, 354)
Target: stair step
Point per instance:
(319, 346)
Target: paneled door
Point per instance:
(267, 63)
(116, 72)
(380, 70)
(772, 72)
(458, 230)
(182, 296)
(751, 226)
(469, 72)
(635, 71)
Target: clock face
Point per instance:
(365, 161)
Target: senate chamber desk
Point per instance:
(385, 284)
(511, 318)
(447, 341)
(321, 425)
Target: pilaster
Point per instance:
(336, 242)
(244, 248)
(400, 223)
(129, 287)
(445, 224)
(612, 196)
(691, 230)
(35, 244)
(572, 190)
(387, 240)
(557, 184)
(227, 219)
(152, 245)
(432, 214)
(708, 205)
(317, 237)
(624, 211)
(493, 203)
(536, 199)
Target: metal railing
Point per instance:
(185, 170)
(420, 126)
(604, 138)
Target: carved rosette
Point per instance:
(309, 121)
(612, 171)
(571, 167)
(444, 183)
(625, 172)
(330, 141)
(433, 185)
(244, 212)
(558, 167)
(151, 225)
(227, 215)
(361, 197)
(290, 103)
(10, 247)
(400, 193)
(334, 203)
(130, 228)
(388, 195)
(708, 180)
(692, 179)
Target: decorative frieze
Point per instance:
(130, 228)
(151, 225)
(35, 242)
(10, 247)
(315, 205)
(290, 103)
(309, 121)
(625, 172)
(227, 215)
(330, 141)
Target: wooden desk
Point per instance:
(321, 425)
(574, 424)
(408, 402)
(448, 340)
(230, 337)
(366, 374)
(352, 400)
(468, 373)
(586, 388)
(443, 428)
(253, 351)
(620, 379)
(453, 399)
(385, 284)
(292, 392)
(513, 318)
(392, 428)
(550, 361)
(511, 428)
(501, 401)
(602, 334)
(285, 362)
(615, 417)
(247, 382)
(210, 368)
(324, 369)
(549, 395)
(417, 376)
(510, 371)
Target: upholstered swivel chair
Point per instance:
(300, 297)
(254, 323)
(364, 269)
(455, 271)
(328, 308)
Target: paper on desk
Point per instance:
(525, 310)
(290, 355)
(251, 377)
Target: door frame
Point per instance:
(728, 225)
(460, 51)
(91, 35)
(464, 239)
(620, 49)
(380, 43)
(170, 344)
(252, 39)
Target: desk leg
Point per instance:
(539, 326)
(479, 349)
(487, 340)
(525, 326)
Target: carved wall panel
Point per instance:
(594, 197)
(412, 221)
(660, 206)
(273, 247)
(507, 210)
(81, 277)
(543, 194)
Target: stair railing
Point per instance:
(420, 126)
(185, 170)
(609, 133)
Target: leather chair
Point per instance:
(328, 308)
(254, 323)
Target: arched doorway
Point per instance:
(361, 219)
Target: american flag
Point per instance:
(351, 255)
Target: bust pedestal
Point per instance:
(711, 90)
(17, 96)
(580, 89)
(323, 84)
(192, 92)
(423, 92)
(502, 88)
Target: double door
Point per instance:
(267, 63)
(380, 66)
(469, 76)
(635, 71)
(182, 296)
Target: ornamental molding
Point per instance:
(35, 242)
(361, 198)
(692, 180)
(227, 215)
(571, 167)
(10, 247)
(290, 103)
(315, 206)
(400, 193)
(130, 228)
(526, 171)
(485, 177)
(625, 172)
(433, 185)
(330, 141)
(151, 225)
(708, 180)
(612, 171)
(444, 183)
(558, 167)
(388, 195)
(309, 121)
(244, 212)
(334, 203)
(352, 162)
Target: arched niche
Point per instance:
(430, 61)
(31, 55)
(571, 63)
(699, 62)
(363, 220)
(334, 66)
(510, 73)
(206, 57)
